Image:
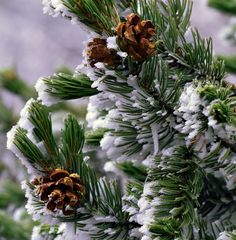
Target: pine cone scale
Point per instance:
(120, 30)
(51, 205)
(130, 35)
(58, 174)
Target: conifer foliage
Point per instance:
(159, 107)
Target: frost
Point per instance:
(47, 99)
(111, 43)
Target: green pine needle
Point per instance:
(67, 87)
(95, 14)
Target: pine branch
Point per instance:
(95, 14)
(41, 120)
(101, 199)
(178, 184)
(193, 57)
(63, 86)
(29, 150)
(70, 147)
(41, 151)
(10, 81)
(185, 59)
(153, 100)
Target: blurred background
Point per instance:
(34, 42)
(32, 45)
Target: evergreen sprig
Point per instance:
(188, 55)
(52, 155)
(102, 198)
(41, 119)
(66, 87)
(30, 151)
(178, 180)
(94, 14)
(71, 149)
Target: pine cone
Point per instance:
(59, 190)
(99, 52)
(136, 37)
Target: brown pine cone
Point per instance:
(136, 37)
(99, 52)
(59, 190)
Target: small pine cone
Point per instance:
(99, 52)
(59, 190)
(136, 37)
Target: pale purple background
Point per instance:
(36, 44)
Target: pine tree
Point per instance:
(161, 110)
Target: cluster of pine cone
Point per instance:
(135, 37)
(60, 190)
